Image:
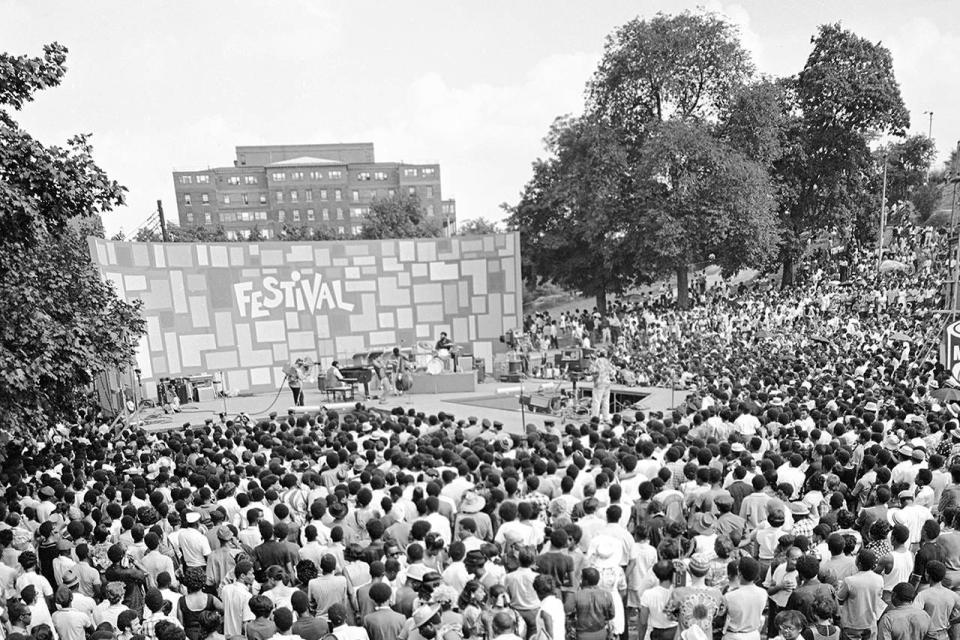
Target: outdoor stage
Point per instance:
(493, 400)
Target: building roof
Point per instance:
(304, 160)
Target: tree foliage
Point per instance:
(573, 214)
(846, 93)
(671, 66)
(62, 324)
(478, 227)
(399, 217)
(703, 201)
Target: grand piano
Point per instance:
(362, 370)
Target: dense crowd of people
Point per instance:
(809, 487)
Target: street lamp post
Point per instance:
(929, 124)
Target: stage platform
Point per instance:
(462, 405)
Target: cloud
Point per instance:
(739, 16)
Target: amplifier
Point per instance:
(466, 363)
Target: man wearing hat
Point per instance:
(911, 515)
(194, 546)
(69, 623)
(696, 604)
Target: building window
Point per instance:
(316, 175)
(357, 229)
(249, 179)
(308, 195)
(279, 196)
(246, 199)
(187, 199)
(326, 214)
(266, 234)
(355, 196)
(323, 194)
(233, 180)
(186, 179)
(190, 218)
(206, 218)
(282, 215)
(429, 193)
(226, 199)
(363, 176)
(340, 214)
(430, 210)
(340, 230)
(296, 175)
(296, 215)
(335, 175)
(260, 215)
(409, 173)
(203, 179)
(380, 175)
(263, 198)
(337, 194)
(279, 176)
(427, 171)
(294, 196)
(311, 216)
(391, 193)
(231, 235)
(205, 198)
(412, 191)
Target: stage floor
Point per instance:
(492, 400)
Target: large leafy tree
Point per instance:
(573, 215)
(399, 217)
(62, 324)
(682, 66)
(846, 94)
(705, 202)
(677, 91)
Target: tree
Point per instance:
(573, 214)
(62, 324)
(683, 66)
(845, 94)
(908, 166)
(399, 217)
(478, 227)
(704, 201)
(698, 138)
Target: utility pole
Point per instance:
(955, 179)
(883, 212)
(163, 221)
(930, 124)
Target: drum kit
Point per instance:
(442, 360)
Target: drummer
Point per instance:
(446, 348)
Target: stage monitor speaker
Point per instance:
(515, 367)
(466, 363)
(203, 394)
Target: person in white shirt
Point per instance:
(337, 616)
(193, 545)
(551, 618)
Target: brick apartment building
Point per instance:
(315, 185)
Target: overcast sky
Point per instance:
(471, 85)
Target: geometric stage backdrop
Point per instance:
(247, 309)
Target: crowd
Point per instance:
(810, 487)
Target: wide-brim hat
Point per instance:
(424, 614)
(472, 502)
(703, 522)
(605, 552)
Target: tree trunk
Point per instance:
(602, 301)
(683, 287)
(786, 279)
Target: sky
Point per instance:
(176, 85)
